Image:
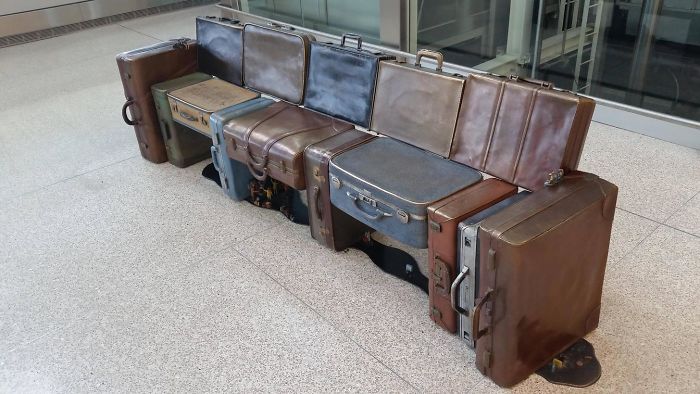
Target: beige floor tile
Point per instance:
(171, 25)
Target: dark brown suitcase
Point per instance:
(520, 130)
(329, 225)
(443, 218)
(253, 140)
(139, 70)
(542, 262)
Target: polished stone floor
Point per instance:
(118, 275)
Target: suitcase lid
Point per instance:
(417, 105)
(520, 130)
(212, 95)
(177, 83)
(154, 49)
(494, 209)
(411, 179)
(473, 199)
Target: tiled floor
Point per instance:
(120, 275)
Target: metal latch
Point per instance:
(554, 177)
(402, 216)
(435, 226)
(336, 182)
(367, 200)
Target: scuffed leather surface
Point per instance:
(278, 119)
(220, 50)
(518, 131)
(275, 61)
(139, 70)
(341, 82)
(417, 106)
(550, 256)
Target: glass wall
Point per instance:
(644, 53)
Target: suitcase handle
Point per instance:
(538, 82)
(437, 56)
(454, 291)
(351, 36)
(129, 102)
(379, 215)
(315, 199)
(261, 176)
(476, 319)
(215, 157)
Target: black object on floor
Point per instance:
(212, 174)
(576, 366)
(393, 261)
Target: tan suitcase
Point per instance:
(193, 105)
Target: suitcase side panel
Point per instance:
(234, 176)
(139, 70)
(330, 226)
(442, 249)
(220, 50)
(401, 110)
(341, 82)
(184, 146)
(547, 271)
(275, 62)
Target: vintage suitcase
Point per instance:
(235, 176)
(329, 225)
(520, 130)
(220, 50)
(139, 70)
(443, 219)
(417, 105)
(342, 79)
(388, 185)
(271, 141)
(542, 263)
(193, 105)
(184, 146)
(275, 61)
(463, 289)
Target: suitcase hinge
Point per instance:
(324, 231)
(435, 226)
(436, 312)
(486, 359)
(491, 264)
(554, 177)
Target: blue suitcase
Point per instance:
(234, 175)
(388, 185)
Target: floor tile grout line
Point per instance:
(632, 249)
(679, 209)
(335, 327)
(140, 32)
(9, 199)
(660, 223)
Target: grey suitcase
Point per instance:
(234, 175)
(388, 185)
(465, 287)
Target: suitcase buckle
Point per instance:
(554, 177)
(336, 182)
(402, 216)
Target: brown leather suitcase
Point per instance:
(329, 225)
(275, 60)
(253, 139)
(520, 130)
(443, 218)
(139, 70)
(542, 262)
(193, 105)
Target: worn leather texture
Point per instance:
(341, 81)
(520, 131)
(271, 141)
(184, 146)
(417, 105)
(193, 105)
(220, 51)
(384, 180)
(275, 61)
(235, 176)
(542, 262)
(140, 69)
(329, 225)
(444, 217)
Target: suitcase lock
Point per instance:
(402, 216)
(336, 182)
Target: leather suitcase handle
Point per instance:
(538, 82)
(129, 102)
(476, 319)
(454, 291)
(430, 54)
(352, 36)
(316, 196)
(379, 215)
(261, 176)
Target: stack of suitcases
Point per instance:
(516, 261)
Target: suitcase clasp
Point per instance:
(367, 200)
(336, 182)
(554, 177)
(402, 216)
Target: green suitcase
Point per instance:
(183, 145)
